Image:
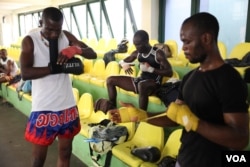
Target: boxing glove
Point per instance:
(72, 66)
(55, 68)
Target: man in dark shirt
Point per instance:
(212, 103)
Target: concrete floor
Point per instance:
(15, 151)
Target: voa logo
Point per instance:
(236, 158)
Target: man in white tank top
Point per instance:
(54, 112)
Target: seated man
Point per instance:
(8, 67)
(153, 65)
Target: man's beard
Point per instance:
(198, 59)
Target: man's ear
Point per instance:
(207, 38)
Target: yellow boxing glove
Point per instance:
(131, 114)
(181, 114)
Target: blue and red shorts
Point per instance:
(44, 126)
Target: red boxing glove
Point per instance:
(71, 51)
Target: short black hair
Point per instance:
(52, 13)
(204, 22)
(142, 34)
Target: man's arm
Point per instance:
(234, 134)
(166, 68)
(85, 50)
(128, 62)
(27, 59)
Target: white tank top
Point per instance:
(14, 70)
(52, 92)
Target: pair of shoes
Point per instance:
(104, 105)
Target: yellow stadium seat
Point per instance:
(121, 56)
(240, 50)
(171, 148)
(87, 114)
(152, 42)
(93, 43)
(97, 71)
(111, 44)
(172, 44)
(88, 65)
(180, 60)
(85, 106)
(173, 144)
(85, 40)
(145, 135)
(101, 47)
(27, 96)
(112, 68)
(223, 49)
(131, 129)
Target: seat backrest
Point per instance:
(152, 42)
(112, 68)
(240, 50)
(88, 65)
(131, 128)
(98, 68)
(173, 143)
(111, 44)
(101, 44)
(85, 105)
(148, 135)
(172, 44)
(92, 43)
(223, 49)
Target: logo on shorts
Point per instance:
(57, 118)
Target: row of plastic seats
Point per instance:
(97, 69)
(148, 135)
(171, 148)
(96, 73)
(238, 51)
(143, 136)
(102, 45)
(178, 57)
